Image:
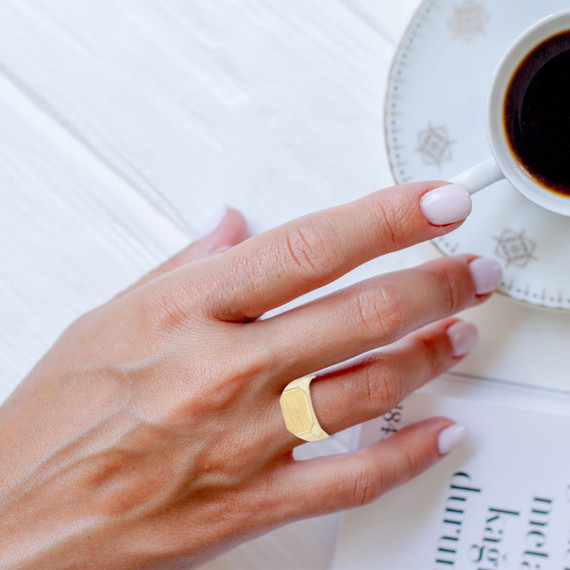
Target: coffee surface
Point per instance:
(537, 113)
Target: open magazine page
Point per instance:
(502, 501)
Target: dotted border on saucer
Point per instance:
(402, 60)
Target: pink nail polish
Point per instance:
(213, 221)
(463, 337)
(446, 205)
(486, 274)
(451, 438)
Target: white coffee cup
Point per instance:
(503, 163)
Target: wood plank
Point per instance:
(72, 232)
(126, 124)
(276, 106)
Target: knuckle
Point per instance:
(383, 384)
(312, 250)
(170, 307)
(450, 276)
(389, 221)
(434, 355)
(161, 311)
(450, 294)
(371, 479)
(367, 484)
(380, 312)
(411, 461)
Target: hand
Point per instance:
(152, 431)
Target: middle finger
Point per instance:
(373, 313)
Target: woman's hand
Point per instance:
(152, 430)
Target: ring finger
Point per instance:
(367, 388)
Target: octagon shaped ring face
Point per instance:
(298, 417)
(298, 411)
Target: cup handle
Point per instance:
(479, 176)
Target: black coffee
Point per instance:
(537, 113)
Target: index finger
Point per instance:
(279, 265)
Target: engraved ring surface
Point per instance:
(298, 411)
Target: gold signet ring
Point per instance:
(298, 411)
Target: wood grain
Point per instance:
(123, 125)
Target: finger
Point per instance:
(373, 313)
(379, 382)
(371, 386)
(336, 482)
(229, 230)
(277, 266)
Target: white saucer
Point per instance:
(435, 129)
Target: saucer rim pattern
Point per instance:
(545, 301)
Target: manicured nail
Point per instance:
(446, 205)
(463, 337)
(451, 438)
(486, 274)
(213, 221)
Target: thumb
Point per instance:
(226, 229)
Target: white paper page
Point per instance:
(500, 502)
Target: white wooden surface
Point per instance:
(123, 125)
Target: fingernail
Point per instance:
(446, 205)
(451, 438)
(463, 337)
(213, 221)
(486, 274)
